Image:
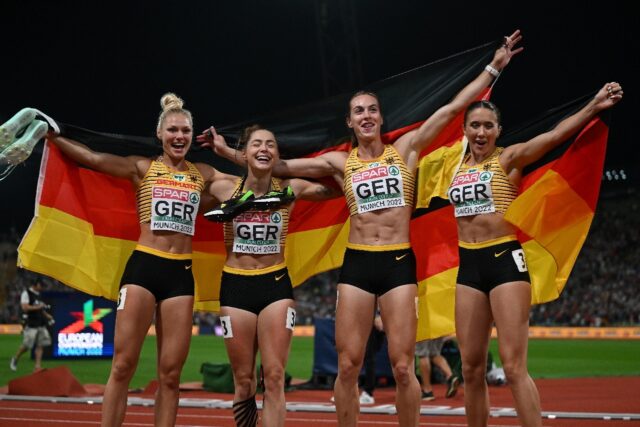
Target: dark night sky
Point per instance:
(105, 67)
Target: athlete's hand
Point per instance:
(608, 96)
(507, 50)
(210, 138)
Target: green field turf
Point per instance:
(547, 359)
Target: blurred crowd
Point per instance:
(601, 291)
(603, 287)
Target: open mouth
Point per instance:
(263, 159)
(368, 126)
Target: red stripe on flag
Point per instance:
(308, 215)
(107, 203)
(434, 238)
(531, 178)
(582, 164)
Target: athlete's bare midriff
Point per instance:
(243, 261)
(381, 227)
(166, 241)
(480, 228)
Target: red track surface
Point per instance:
(585, 395)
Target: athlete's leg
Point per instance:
(473, 330)
(240, 332)
(275, 329)
(510, 304)
(174, 317)
(398, 311)
(133, 319)
(354, 320)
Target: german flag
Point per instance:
(553, 212)
(85, 224)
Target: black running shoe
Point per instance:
(273, 199)
(233, 207)
(452, 386)
(427, 396)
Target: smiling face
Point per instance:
(261, 150)
(482, 130)
(175, 133)
(365, 117)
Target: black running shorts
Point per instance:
(378, 272)
(253, 292)
(163, 277)
(486, 265)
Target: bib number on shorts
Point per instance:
(225, 322)
(518, 257)
(291, 318)
(122, 297)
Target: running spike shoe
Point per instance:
(14, 125)
(274, 199)
(19, 150)
(226, 211)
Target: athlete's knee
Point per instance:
(403, 372)
(274, 379)
(349, 368)
(474, 371)
(123, 368)
(244, 382)
(515, 369)
(169, 376)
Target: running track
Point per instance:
(584, 402)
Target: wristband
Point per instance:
(489, 69)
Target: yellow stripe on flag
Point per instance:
(558, 219)
(436, 172)
(311, 252)
(64, 247)
(436, 305)
(542, 269)
(208, 260)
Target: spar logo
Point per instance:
(486, 176)
(87, 318)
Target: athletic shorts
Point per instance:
(485, 265)
(254, 290)
(164, 275)
(378, 269)
(36, 335)
(429, 348)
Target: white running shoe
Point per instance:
(14, 125)
(18, 151)
(366, 399)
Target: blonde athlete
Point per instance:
(493, 280)
(378, 182)
(256, 296)
(158, 277)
